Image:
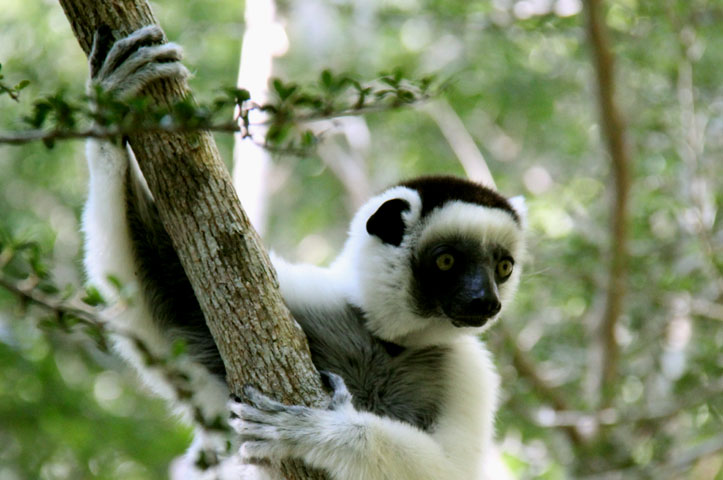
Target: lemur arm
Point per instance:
(347, 443)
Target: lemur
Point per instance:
(394, 321)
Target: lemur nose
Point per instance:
(485, 306)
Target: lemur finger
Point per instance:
(261, 462)
(261, 401)
(246, 429)
(166, 53)
(246, 413)
(236, 424)
(242, 413)
(258, 451)
(251, 432)
(277, 413)
(124, 48)
(341, 395)
(132, 85)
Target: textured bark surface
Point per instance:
(220, 251)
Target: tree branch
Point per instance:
(461, 142)
(51, 135)
(526, 368)
(614, 137)
(220, 252)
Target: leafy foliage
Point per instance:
(55, 117)
(12, 92)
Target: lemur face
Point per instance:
(460, 278)
(442, 253)
(464, 268)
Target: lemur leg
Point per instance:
(135, 61)
(349, 444)
(124, 236)
(129, 65)
(126, 239)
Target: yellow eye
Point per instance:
(504, 268)
(445, 261)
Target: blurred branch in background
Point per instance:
(343, 151)
(264, 38)
(690, 143)
(613, 131)
(704, 308)
(463, 145)
(528, 370)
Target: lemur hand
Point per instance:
(272, 431)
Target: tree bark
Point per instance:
(231, 274)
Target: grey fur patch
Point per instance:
(384, 379)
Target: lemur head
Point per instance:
(436, 257)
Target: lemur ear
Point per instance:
(387, 222)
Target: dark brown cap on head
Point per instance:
(435, 191)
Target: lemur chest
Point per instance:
(407, 385)
(385, 379)
(404, 384)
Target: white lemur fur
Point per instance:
(394, 321)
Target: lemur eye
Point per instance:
(445, 261)
(504, 268)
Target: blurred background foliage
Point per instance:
(522, 86)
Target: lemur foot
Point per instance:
(133, 62)
(273, 431)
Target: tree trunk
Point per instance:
(222, 255)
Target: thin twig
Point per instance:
(461, 141)
(81, 311)
(612, 417)
(45, 135)
(51, 135)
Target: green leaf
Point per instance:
(308, 139)
(22, 85)
(284, 91)
(115, 281)
(93, 297)
(48, 287)
(238, 95)
(68, 321)
(41, 109)
(327, 78)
